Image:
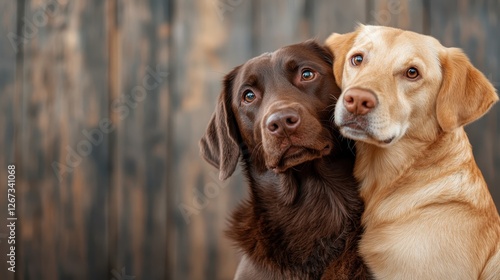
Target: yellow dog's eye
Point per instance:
(356, 59)
(308, 75)
(412, 73)
(249, 96)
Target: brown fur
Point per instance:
(428, 212)
(302, 218)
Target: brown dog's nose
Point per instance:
(359, 101)
(283, 123)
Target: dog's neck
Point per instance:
(318, 184)
(380, 169)
(299, 218)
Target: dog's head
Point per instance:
(275, 106)
(398, 83)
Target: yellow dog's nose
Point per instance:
(359, 101)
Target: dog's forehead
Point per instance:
(276, 58)
(257, 66)
(268, 65)
(403, 45)
(383, 38)
(263, 57)
(261, 61)
(300, 52)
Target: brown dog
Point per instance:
(428, 213)
(302, 218)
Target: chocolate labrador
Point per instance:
(302, 217)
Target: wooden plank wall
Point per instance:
(102, 104)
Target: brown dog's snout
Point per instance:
(359, 101)
(283, 122)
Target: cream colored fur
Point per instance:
(429, 214)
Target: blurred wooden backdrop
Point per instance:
(102, 104)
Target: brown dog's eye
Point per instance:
(412, 73)
(308, 75)
(249, 96)
(356, 59)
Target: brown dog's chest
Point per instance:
(318, 232)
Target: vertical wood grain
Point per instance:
(140, 108)
(64, 94)
(280, 23)
(327, 17)
(405, 14)
(114, 64)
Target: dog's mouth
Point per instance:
(387, 141)
(295, 155)
(358, 130)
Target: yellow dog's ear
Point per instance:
(339, 45)
(465, 94)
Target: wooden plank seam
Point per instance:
(94, 137)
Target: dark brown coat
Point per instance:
(302, 217)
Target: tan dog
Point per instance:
(406, 98)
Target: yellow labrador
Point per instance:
(406, 98)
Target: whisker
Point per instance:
(351, 148)
(327, 122)
(332, 118)
(256, 151)
(334, 97)
(331, 105)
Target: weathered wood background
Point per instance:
(102, 104)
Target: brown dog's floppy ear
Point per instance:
(465, 94)
(219, 145)
(339, 45)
